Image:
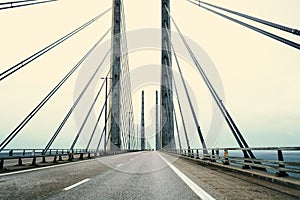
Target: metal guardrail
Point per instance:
(280, 160)
(57, 154)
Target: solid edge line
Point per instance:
(194, 187)
(76, 184)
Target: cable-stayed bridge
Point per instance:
(110, 156)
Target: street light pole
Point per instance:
(137, 133)
(105, 124)
(129, 130)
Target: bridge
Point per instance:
(98, 104)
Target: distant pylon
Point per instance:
(143, 123)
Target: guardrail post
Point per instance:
(33, 161)
(10, 153)
(55, 159)
(280, 158)
(225, 162)
(218, 154)
(23, 152)
(81, 156)
(213, 156)
(197, 155)
(20, 162)
(2, 164)
(59, 158)
(89, 155)
(71, 155)
(44, 159)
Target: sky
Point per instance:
(259, 75)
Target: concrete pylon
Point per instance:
(166, 100)
(115, 134)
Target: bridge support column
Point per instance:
(166, 100)
(115, 134)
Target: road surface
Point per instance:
(139, 175)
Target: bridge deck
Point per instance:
(140, 175)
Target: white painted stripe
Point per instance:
(76, 184)
(119, 165)
(199, 191)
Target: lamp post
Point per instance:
(105, 125)
(129, 130)
(137, 132)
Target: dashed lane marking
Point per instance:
(76, 184)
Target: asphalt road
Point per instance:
(140, 175)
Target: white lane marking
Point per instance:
(76, 184)
(199, 191)
(119, 165)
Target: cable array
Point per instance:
(36, 55)
(263, 32)
(18, 66)
(234, 129)
(17, 4)
(126, 107)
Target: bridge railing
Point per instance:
(57, 154)
(283, 161)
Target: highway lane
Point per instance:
(139, 175)
(144, 176)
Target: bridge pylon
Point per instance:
(115, 117)
(166, 100)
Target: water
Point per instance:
(273, 156)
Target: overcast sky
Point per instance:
(260, 76)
